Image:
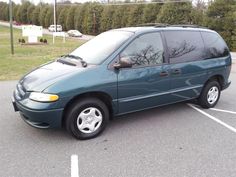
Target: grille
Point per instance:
(19, 92)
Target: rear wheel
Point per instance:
(87, 118)
(210, 94)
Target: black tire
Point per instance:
(78, 107)
(203, 98)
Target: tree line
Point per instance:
(94, 18)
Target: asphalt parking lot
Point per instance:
(170, 141)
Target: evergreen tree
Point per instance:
(23, 12)
(42, 15)
(35, 16)
(197, 16)
(4, 9)
(30, 10)
(18, 17)
(175, 13)
(220, 17)
(93, 18)
(106, 18)
(70, 18)
(15, 9)
(78, 19)
(121, 16)
(135, 15)
(117, 17)
(150, 13)
(62, 18)
(233, 47)
(48, 17)
(125, 18)
(85, 17)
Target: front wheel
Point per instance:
(87, 118)
(210, 95)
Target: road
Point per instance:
(45, 31)
(174, 140)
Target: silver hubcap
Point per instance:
(89, 120)
(213, 95)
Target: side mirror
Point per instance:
(124, 62)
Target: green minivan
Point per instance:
(122, 71)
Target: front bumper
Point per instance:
(39, 118)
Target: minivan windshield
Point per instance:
(99, 48)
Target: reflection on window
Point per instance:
(184, 46)
(215, 46)
(145, 50)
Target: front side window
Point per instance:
(145, 50)
(184, 46)
(215, 45)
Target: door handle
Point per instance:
(164, 73)
(176, 71)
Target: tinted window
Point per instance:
(215, 45)
(184, 46)
(145, 50)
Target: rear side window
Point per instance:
(215, 45)
(145, 50)
(184, 46)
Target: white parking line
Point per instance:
(222, 110)
(74, 166)
(213, 118)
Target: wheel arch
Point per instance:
(219, 78)
(104, 97)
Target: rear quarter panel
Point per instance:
(219, 66)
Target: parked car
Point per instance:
(52, 28)
(122, 71)
(74, 33)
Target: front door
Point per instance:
(147, 83)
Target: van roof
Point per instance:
(164, 28)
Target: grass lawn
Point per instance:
(27, 57)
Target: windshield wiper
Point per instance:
(66, 62)
(84, 64)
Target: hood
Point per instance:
(46, 75)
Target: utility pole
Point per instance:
(55, 15)
(11, 29)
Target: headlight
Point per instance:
(43, 97)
